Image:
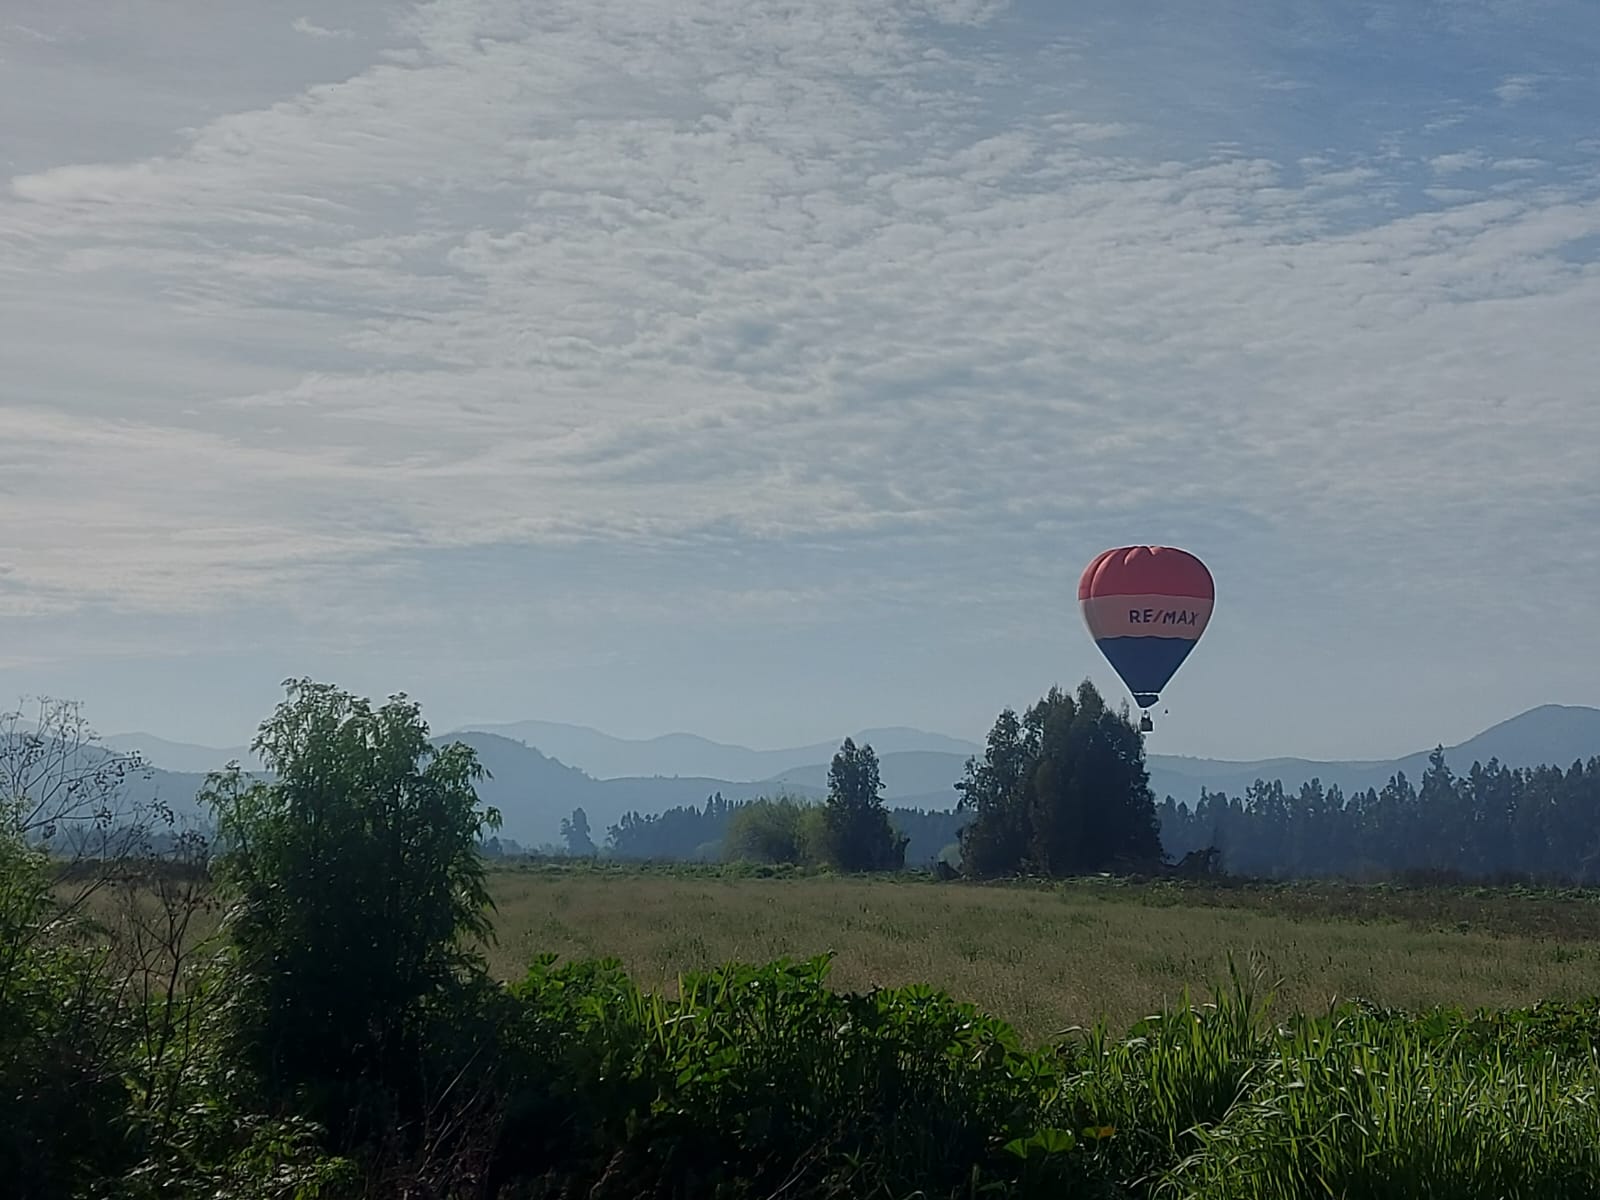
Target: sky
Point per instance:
(771, 370)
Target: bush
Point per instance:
(355, 880)
(760, 1078)
(62, 1039)
(778, 830)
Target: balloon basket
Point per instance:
(1145, 723)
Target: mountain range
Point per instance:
(607, 757)
(541, 771)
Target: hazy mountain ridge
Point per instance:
(534, 792)
(905, 774)
(1552, 734)
(180, 756)
(139, 788)
(685, 754)
(534, 789)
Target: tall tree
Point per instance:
(994, 841)
(575, 833)
(1093, 804)
(859, 834)
(1065, 791)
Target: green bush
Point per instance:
(777, 830)
(62, 1039)
(355, 885)
(757, 1078)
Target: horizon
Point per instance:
(488, 727)
(756, 370)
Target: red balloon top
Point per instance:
(1146, 571)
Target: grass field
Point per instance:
(768, 1077)
(1045, 957)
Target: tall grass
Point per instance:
(765, 1080)
(1353, 1105)
(730, 1068)
(1219, 1101)
(1049, 957)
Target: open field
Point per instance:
(1045, 957)
(768, 1073)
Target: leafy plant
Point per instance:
(355, 884)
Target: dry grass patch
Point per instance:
(1042, 958)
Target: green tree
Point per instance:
(859, 834)
(355, 884)
(779, 829)
(1110, 801)
(1061, 792)
(575, 833)
(995, 840)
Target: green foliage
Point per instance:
(345, 1042)
(781, 829)
(204, 1141)
(684, 832)
(1492, 823)
(760, 1078)
(61, 1034)
(756, 1079)
(575, 834)
(1062, 792)
(995, 841)
(1360, 1104)
(851, 831)
(356, 878)
(68, 1028)
(857, 830)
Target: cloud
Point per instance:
(846, 283)
(1449, 164)
(27, 32)
(305, 26)
(1516, 88)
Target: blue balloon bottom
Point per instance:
(1145, 664)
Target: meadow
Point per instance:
(389, 1012)
(1047, 956)
(1438, 1041)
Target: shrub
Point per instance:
(355, 880)
(759, 1078)
(778, 830)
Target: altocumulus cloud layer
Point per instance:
(773, 368)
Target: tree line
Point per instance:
(1492, 823)
(762, 830)
(852, 829)
(302, 1009)
(1063, 789)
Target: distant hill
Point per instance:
(1552, 734)
(139, 788)
(685, 754)
(535, 788)
(926, 779)
(908, 774)
(534, 792)
(180, 756)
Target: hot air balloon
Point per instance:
(1146, 607)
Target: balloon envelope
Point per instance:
(1146, 607)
